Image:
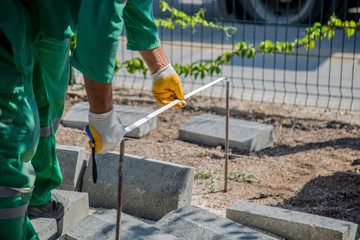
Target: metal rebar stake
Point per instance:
(120, 180)
(227, 135)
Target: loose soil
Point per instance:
(312, 167)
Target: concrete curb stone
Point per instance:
(151, 188)
(193, 223)
(291, 224)
(46, 228)
(72, 161)
(76, 209)
(76, 206)
(102, 225)
(209, 130)
(77, 117)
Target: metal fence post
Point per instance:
(227, 135)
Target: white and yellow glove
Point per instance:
(167, 87)
(107, 131)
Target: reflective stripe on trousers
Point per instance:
(47, 131)
(13, 192)
(10, 213)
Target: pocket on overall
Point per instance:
(19, 124)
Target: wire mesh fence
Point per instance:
(326, 76)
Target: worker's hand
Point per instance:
(107, 131)
(167, 87)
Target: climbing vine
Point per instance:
(181, 19)
(240, 49)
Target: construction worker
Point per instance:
(34, 72)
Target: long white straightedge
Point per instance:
(166, 107)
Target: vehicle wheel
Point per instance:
(283, 11)
(226, 9)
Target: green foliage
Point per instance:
(181, 19)
(240, 49)
(132, 66)
(204, 174)
(243, 176)
(208, 175)
(213, 184)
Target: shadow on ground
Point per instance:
(336, 196)
(281, 150)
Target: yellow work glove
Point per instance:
(167, 87)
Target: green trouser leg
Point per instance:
(19, 135)
(19, 227)
(51, 76)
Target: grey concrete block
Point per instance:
(151, 188)
(77, 117)
(243, 135)
(76, 206)
(102, 225)
(45, 228)
(72, 161)
(291, 224)
(193, 223)
(76, 209)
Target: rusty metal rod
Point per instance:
(120, 180)
(137, 124)
(227, 135)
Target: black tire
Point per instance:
(287, 11)
(226, 9)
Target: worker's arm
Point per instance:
(166, 87)
(105, 126)
(155, 58)
(99, 95)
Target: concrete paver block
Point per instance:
(45, 228)
(76, 209)
(291, 224)
(151, 188)
(72, 161)
(76, 206)
(243, 135)
(193, 223)
(77, 117)
(102, 225)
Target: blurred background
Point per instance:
(327, 76)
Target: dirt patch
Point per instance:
(313, 166)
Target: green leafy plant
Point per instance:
(243, 176)
(213, 184)
(132, 66)
(204, 174)
(181, 19)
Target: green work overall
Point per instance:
(34, 71)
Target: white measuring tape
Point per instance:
(166, 107)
